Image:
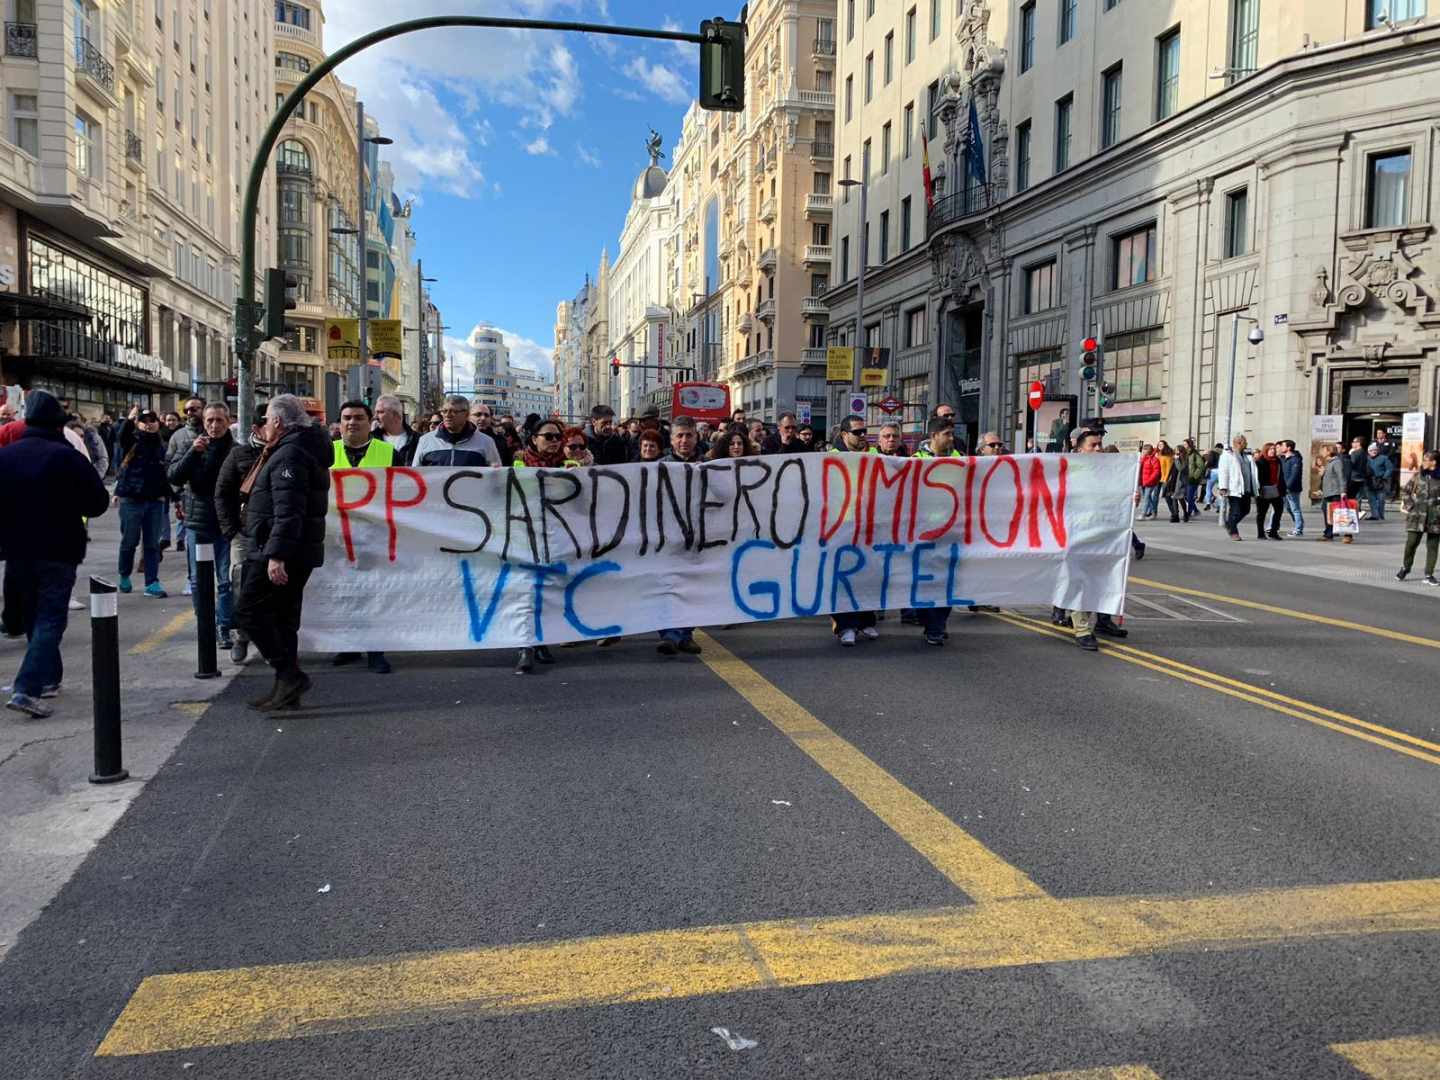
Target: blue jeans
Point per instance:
(1292, 507)
(1152, 499)
(1210, 477)
(225, 605)
(933, 620)
(1377, 505)
(677, 635)
(142, 522)
(45, 601)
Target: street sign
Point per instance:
(839, 364)
(1036, 397)
(891, 404)
(802, 412)
(857, 404)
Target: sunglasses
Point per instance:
(576, 448)
(993, 445)
(859, 431)
(547, 435)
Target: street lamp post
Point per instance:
(360, 141)
(859, 287)
(1255, 337)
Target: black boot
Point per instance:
(263, 701)
(525, 662)
(543, 654)
(290, 689)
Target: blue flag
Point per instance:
(975, 147)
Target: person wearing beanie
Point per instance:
(43, 546)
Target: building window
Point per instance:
(1040, 288)
(1022, 156)
(932, 99)
(1063, 109)
(1067, 20)
(865, 161)
(885, 148)
(914, 327)
(884, 236)
(934, 19)
(909, 124)
(1135, 363)
(287, 61)
(294, 14)
(849, 20)
(25, 122)
(1110, 108)
(1244, 37)
(849, 96)
(889, 57)
(846, 196)
(1167, 74)
(297, 379)
(87, 146)
(1027, 37)
(1393, 11)
(910, 35)
(1110, 4)
(905, 224)
(1387, 198)
(117, 306)
(1237, 214)
(869, 77)
(1132, 257)
(844, 258)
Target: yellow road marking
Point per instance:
(219, 1008)
(969, 864)
(1244, 691)
(1344, 624)
(1415, 1057)
(164, 634)
(1113, 1072)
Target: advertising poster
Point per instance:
(1054, 420)
(342, 339)
(1324, 431)
(384, 337)
(875, 367)
(839, 364)
(1412, 445)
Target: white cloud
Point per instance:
(660, 80)
(685, 50)
(497, 188)
(589, 157)
(539, 146)
(524, 353)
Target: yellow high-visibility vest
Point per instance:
(378, 455)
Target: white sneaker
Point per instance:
(871, 633)
(847, 638)
(187, 591)
(76, 605)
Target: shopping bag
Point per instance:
(1345, 518)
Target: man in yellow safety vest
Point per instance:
(358, 449)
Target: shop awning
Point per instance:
(15, 307)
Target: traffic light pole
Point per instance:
(247, 311)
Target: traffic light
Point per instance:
(1089, 359)
(282, 292)
(615, 365)
(1107, 394)
(722, 65)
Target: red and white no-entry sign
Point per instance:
(1036, 397)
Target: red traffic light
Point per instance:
(614, 365)
(1089, 344)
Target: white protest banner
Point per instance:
(509, 557)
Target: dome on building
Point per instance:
(651, 182)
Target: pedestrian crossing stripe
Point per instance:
(1412, 1057)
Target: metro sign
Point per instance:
(891, 404)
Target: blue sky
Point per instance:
(521, 148)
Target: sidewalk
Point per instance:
(1371, 560)
(51, 816)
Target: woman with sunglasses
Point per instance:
(545, 449)
(732, 443)
(436, 422)
(577, 450)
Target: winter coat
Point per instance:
(1150, 470)
(1379, 471)
(1421, 503)
(1268, 471)
(285, 516)
(141, 474)
(181, 440)
(1172, 479)
(405, 452)
(48, 490)
(1355, 479)
(1231, 477)
(229, 506)
(1292, 474)
(1332, 480)
(196, 474)
(612, 449)
(773, 445)
(471, 448)
(1197, 468)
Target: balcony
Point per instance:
(297, 33)
(816, 99)
(819, 205)
(756, 362)
(767, 210)
(766, 310)
(823, 47)
(134, 150)
(746, 324)
(814, 307)
(768, 260)
(974, 199)
(812, 356)
(817, 253)
(822, 151)
(20, 39)
(90, 62)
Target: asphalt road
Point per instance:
(1214, 853)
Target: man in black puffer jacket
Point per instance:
(285, 531)
(195, 471)
(230, 519)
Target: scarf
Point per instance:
(548, 459)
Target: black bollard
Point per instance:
(105, 680)
(206, 666)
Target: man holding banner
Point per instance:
(357, 449)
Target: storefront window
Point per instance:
(117, 306)
(1134, 363)
(298, 379)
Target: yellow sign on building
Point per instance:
(384, 337)
(839, 364)
(342, 339)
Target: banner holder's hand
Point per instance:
(277, 572)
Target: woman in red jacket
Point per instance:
(1149, 480)
(1271, 497)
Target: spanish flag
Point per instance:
(925, 170)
